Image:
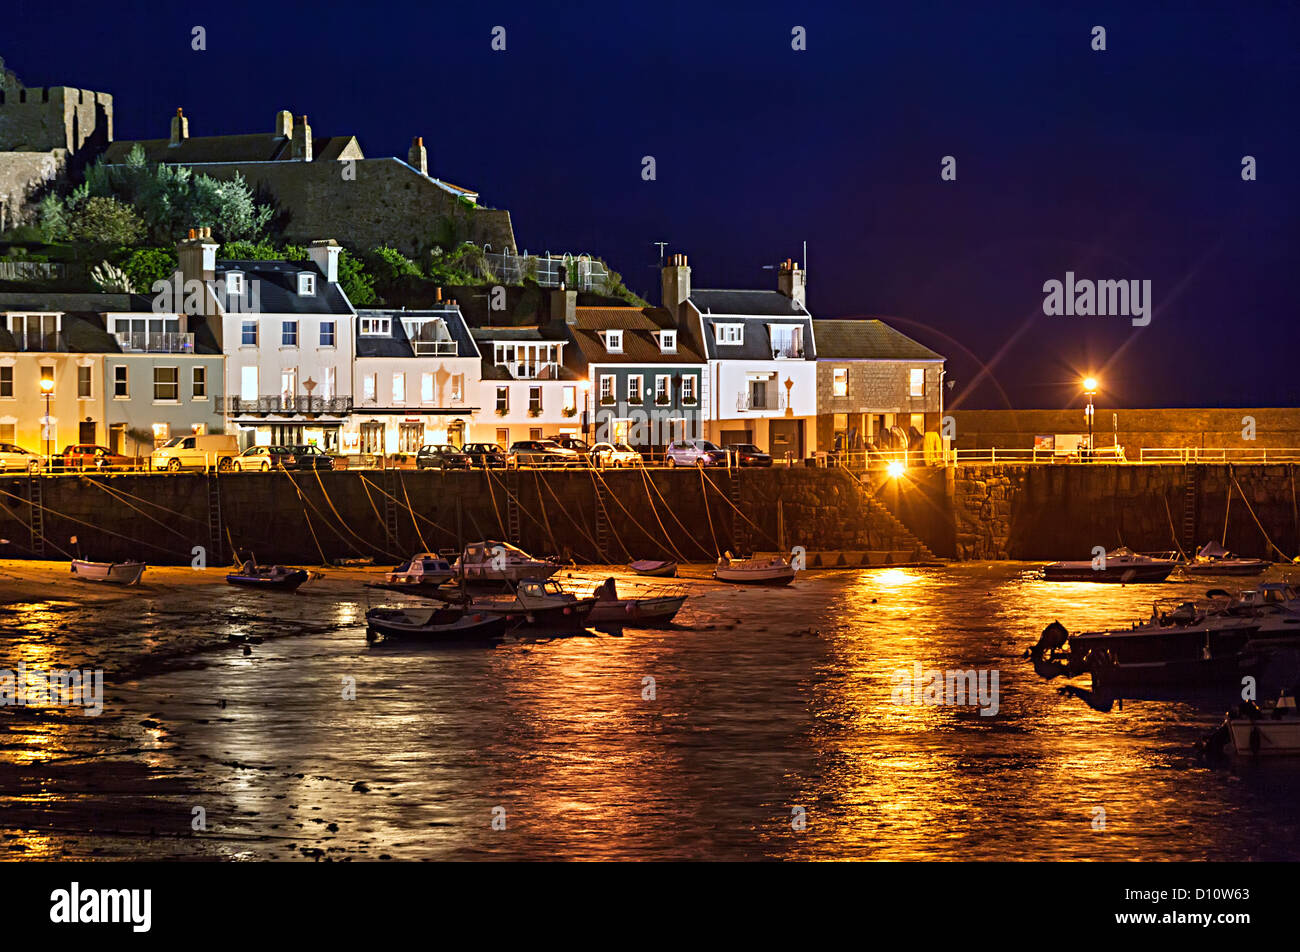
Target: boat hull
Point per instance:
(654, 569)
(1227, 567)
(1264, 737)
(1115, 574)
(775, 577)
(636, 612)
(560, 617)
(287, 582)
(396, 626)
(115, 573)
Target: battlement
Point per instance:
(58, 95)
(39, 119)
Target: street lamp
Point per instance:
(47, 388)
(1090, 389)
(585, 387)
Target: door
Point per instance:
(86, 431)
(786, 438)
(117, 438)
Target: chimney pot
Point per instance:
(192, 234)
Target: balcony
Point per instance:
(435, 348)
(133, 342)
(280, 403)
(787, 352)
(543, 370)
(760, 401)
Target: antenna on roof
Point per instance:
(662, 245)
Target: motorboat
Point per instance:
(1255, 730)
(1121, 565)
(540, 604)
(421, 574)
(500, 562)
(767, 570)
(648, 611)
(437, 627)
(656, 568)
(276, 578)
(117, 573)
(1214, 559)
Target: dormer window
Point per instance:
(306, 284)
(376, 327)
(668, 342)
(234, 283)
(729, 333)
(614, 342)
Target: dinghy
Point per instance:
(655, 568)
(118, 573)
(1253, 730)
(276, 578)
(648, 611)
(442, 626)
(1213, 559)
(769, 570)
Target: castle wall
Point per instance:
(54, 117)
(22, 175)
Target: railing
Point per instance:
(289, 404)
(1200, 454)
(435, 348)
(142, 342)
(532, 371)
(576, 273)
(746, 401)
(787, 351)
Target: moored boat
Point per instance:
(540, 604)
(441, 626)
(424, 568)
(1253, 730)
(493, 562)
(1214, 559)
(1121, 565)
(275, 578)
(117, 573)
(647, 611)
(769, 570)
(655, 568)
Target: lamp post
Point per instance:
(1090, 389)
(585, 387)
(47, 388)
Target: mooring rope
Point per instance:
(89, 525)
(125, 502)
(577, 525)
(418, 534)
(704, 492)
(344, 524)
(18, 519)
(655, 511)
(1173, 533)
(378, 517)
(537, 481)
(600, 501)
(738, 512)
(1251, 509)
(1226, 509)
(487, 473)
(416, 515)
(307, 502)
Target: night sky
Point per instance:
(1123, 164)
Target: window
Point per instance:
(248, 383)
(534, 433)
(248, 336)
(758, 395)
(47, 373)
(688, 390)
(166, 384)
(503, 436)
(369, 387)
(668, 342)
(234, 283)
(200, 383)
(306, 283)
(327, 333)
(457, 388)
(376, 327)
(634, 393)
(614, 342)
(917, 382)
(289, 383)
(607, 394)
(6, 382)
(34, 331)
(729, 333)
(570, 401)
(840, 382)
(288, 333)
(399, 388)
(83, 383)
(8, 433)
(503, 400)
(426, 388)
(663, 390)
(327, 385)
(787, 340)
(534, 400)
(120, 388)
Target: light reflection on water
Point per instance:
(765, 701)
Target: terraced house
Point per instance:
(646, 375)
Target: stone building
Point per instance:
(327, 186)
(875, 386)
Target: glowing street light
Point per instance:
(895, 470)
(47, 388)
(1090, 386)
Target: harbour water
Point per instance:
(772, 729)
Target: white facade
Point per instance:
(527, 393)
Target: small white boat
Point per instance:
(656, 568)
(646, 611)
(118, 573)
(1214, 559)
(1121, 565)
(769, 570)
(493, 562)
(425, 568)
(1259, 731)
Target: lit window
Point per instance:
(200, 382)
(83, 383)
(570, 400)
(607, 388)
(663, 393)
(426, 388)
(688, 389)
(840, 382)
(614, 342)
(457, 388)
(918, 382)
(399, 388)
(369, 384)
(634, 394)
(503, 400)
(376, 327)
(668, 342)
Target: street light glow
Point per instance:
(1090, 384)
(47, 385)
(895, 469)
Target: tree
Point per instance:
(105, 222)
(356, 283)
(144, 266)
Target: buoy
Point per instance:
(478, 618)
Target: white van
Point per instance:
(196, 452)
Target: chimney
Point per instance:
(301, 140)
(791, 282)
(437, 295)
(675, 285)
(418, 157)
(284, 123)
(197, 261)
(564, 306)
(180, 128)
(326, 256)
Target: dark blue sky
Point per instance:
(1117, 164)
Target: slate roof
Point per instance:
(573, 366)
(279, 287)
(84, 325)
(397, 344)
(866, 339)
(251, 147)
(755, 303)
(640, 343)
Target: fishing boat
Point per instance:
(656, 568)
(117, 573)
(768, 570)
(1214, 559)
(1255, 730)
(499, 562)
(274, 578)
(648, 611)
(540, 604)
(1121, 565)
(441, 626)
(422, 570)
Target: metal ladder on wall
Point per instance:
(739, 527)
(1191, 497)
(390, 507)
(36, 503)
(602, 523)
(216, 545)
(511, 482)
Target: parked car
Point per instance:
(485, 454)
(88, 456)
(542, 453)
(695, 453)
(196, 452)
(441, 456)
(263, 459)
(572, 443)
(310, 457)
(16, 458)
(747, 454)
(615, 454)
